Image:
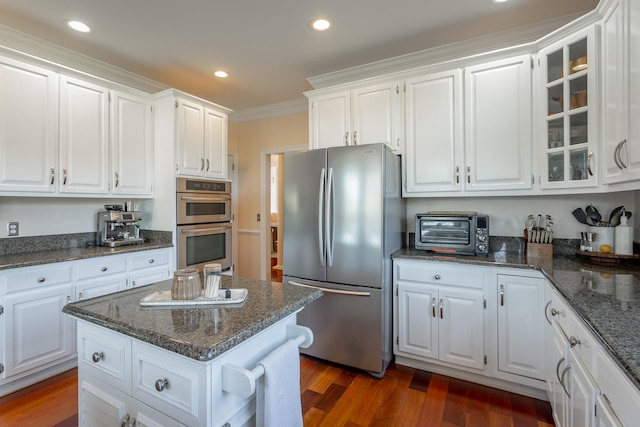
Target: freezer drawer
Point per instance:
(347, 325)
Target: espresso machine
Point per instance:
(117, 227)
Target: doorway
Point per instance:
(272, 201)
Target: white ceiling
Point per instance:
(265, 45)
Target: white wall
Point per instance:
(508, 214)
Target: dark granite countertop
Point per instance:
(198, 332)
(606, 297)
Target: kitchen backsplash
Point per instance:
(18, 245)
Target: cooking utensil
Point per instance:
(580, 215)
(613, 213)
(593, 213)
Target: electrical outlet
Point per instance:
(13, 228)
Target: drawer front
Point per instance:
(421, 271)
(147, 259)
(168, 381)
(100, 267)
(28, 277)
(105, 355)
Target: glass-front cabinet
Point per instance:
(569, 135)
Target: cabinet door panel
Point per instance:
(374, 115)
(215, 144)
(417, 326)
(132, 144)
(28, 127)
(583, 390)
(498, 124)
(331, 120)
(521, 325)
(84, 144)
(461, 317)
(434, 132)
(101, 408)
(36, 330)
(190, 138)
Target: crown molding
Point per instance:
(23, 46)
(527, 34)
(273, 110)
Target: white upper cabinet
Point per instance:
(568, 109)
(84, 137)
(498, 125)
(132, 144)
(433, 152)
(361, 116)
(28, 127)
(621, 92)
(215, 144)
(471, 134)
(201, 140)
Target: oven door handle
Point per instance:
(205, 199)
(334, 291)
(205, 230)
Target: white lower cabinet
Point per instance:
(37, 339)
(585, 387)
(520, 329)
(124, 381)
(440, 314)
(36, 334)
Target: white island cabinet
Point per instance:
(182, 365)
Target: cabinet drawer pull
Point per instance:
(97, 356)
(41, 279)
(620, 154)
(53, 176)
(117, 179)
(457, 174)
(573, 341)
(104, 269)
(564, 387)
(64, 177)
(80, 295)
(125, 421)
(558, 368)
(441, 310)
(433, 307)
(502, 295)
(201, 164)
(589, 159)
(346, 138)
(162, 384)
(355, 137)
(468, 174)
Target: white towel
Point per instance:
(282, 405)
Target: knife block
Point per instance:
(539, 250)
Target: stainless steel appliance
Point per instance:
(343, 218)
(204, 222)
(118, 228)
(465, 233)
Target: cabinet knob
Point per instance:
(97, 356)
(573, 341)
(162, 384)
(436, 277)
(104, 269)
(41, 279)
(151, 261)
(554, 312)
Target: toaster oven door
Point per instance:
(445, 231)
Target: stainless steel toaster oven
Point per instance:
(453, 232)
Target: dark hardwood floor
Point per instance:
(331, 396)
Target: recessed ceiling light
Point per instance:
(221, 74)
(79, 26)
(498, 1)
(320, 24)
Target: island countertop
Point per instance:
(198, 332)
(607, 298)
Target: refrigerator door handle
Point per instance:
(321, 246)
(329, 218)
(334, 291)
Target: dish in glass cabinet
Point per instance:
(555, 172)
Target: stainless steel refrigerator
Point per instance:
(343, 218)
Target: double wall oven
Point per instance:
(203, 222)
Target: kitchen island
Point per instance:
(164, 365)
